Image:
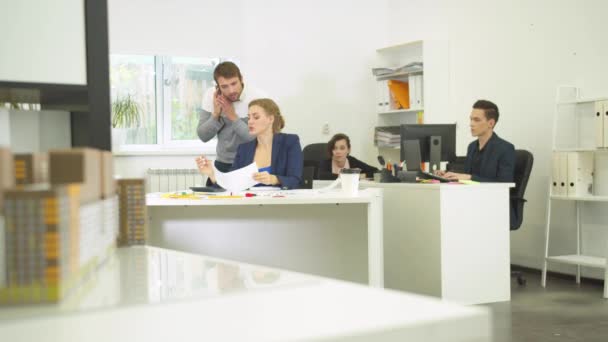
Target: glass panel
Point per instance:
(133, 86)
(188, 79)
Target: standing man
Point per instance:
(489, 158)
(224, 113)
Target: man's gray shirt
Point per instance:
(229, 134)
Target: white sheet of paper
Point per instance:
(237, 180)
(331, 186)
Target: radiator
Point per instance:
(164, 180)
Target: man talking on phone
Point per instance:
(224, 113)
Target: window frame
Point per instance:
(164, 142)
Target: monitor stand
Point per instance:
(434, 153)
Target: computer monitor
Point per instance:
(437, 142)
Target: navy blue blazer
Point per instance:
(286, 160)
(497, 163)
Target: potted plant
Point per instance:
(126, 114)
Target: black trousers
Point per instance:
(224, 167)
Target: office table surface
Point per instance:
(279, 197)
(366, 184)
(153, 294)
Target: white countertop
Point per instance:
(281, 197)
(366, 184)
(152, 294)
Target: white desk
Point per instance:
(445, 240)
(326, 234)
(150, 294)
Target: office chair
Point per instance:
(523, 167)
(456, 165)
(313, 154)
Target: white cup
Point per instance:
(350, 181)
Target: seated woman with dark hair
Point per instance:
(339, 150)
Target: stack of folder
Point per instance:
(387, 137)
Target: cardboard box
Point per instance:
(108, 183)
(79, 165)
(7, 174)
(31, 168)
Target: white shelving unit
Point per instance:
(574, 130)
(400, 111)
(434, 55)
(581, 198)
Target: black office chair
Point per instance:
(313, 154)
(456, 165)
(523, 167)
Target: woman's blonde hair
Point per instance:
(271, 108)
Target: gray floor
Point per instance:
(564, 311)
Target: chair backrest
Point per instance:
(308, 173)
(456, 165)
(313, 154)
(523, 167)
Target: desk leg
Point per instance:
(375, 240)
(543, 279)
(578, 239)
(606, 276)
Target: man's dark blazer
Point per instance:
(497, 163)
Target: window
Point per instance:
(169, 92)
(134, 77)
(185, 82)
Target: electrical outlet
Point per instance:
(325, 129)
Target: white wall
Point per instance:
(5, 132)
(43, 41)
(516, 53)
(35, 131)
(313, 57)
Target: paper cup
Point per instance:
(350, 181)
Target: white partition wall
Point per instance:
(43, 41)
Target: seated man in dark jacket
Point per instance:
(339, 150)
(489, 158)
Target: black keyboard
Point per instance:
(206, 189)
(428, 175)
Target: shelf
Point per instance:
(398, 74)
(399, 111)
(582, 260)
(579, 101)
(389, 148)
(408, 45)
(581, 198)
(578, 149)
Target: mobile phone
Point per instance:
(218, 91)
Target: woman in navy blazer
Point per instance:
(278, 155)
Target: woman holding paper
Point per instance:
(277, 155)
